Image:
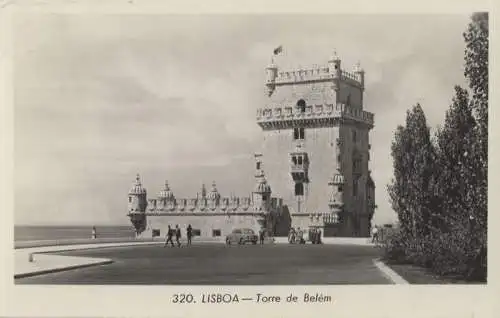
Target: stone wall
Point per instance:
(206, 224)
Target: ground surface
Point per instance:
(217, 264)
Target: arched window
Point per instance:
(299, 188)
(258, 165)
(301, 104)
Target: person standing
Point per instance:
(177, 235)
(261, 236)
(94, 233)
(169, 237)
(189, 232)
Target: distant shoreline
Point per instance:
(26, 233)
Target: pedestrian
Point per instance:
(291, 236)
(189, 232)
(319, 237)
(300, 235)
(374, 234)
(261, 236)
(94, 233)
(169, 237)
(177, 235)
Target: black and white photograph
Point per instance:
(250, 149)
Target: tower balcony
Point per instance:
(299, 166)
(314, 116)
(299, 174)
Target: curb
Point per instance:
(394, 277)
(61, 269)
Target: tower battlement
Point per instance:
(331, 72)
(226, 205)
(316, 74)
(288, 116)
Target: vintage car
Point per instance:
(242, 236)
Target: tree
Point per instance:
(456, 178)
(410, 190)
(476, 72)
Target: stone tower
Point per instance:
(137, 203)
(316, 146)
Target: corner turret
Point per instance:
(336, 201)
(262, 191)
(137, 204)
(137, 197)
(360, 72)
(271, 74)
(334, 66)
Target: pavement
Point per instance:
(42, 259)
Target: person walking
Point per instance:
(374, 234)
(177, 235)
(169, 237)
(291, 235)
(189, 233)
(94, 233)
(319, 237)
(261, 236)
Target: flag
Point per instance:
(278, 50)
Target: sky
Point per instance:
(100, 98)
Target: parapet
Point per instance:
(317, 74)
(288, 116)
(204, 205)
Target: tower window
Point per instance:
(301, 104)
(294, 160)
(299, 188)
(340, 188)
(129, 199)
(258, 165)
(299, 161)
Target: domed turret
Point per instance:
(336, 201)
(214, 194)
(137, 203)
(261, 186)
(166, 193)
(137, 188)
(334, 65)
(213, 197)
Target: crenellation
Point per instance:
(283, 116)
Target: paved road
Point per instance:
(217, 264)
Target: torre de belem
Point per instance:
(312, 170)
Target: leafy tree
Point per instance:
(456, 177)
(410, 191)
(476, 72)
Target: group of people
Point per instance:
(315, 236)
(297, 236)
(177, 232)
